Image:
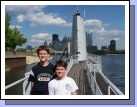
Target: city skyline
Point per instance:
(38, 23)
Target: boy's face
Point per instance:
(60, 71)
(43, 55)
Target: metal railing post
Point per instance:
(108, 89)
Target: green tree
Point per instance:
(7, 30)
(13, 37)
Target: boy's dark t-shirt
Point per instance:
(41, 76)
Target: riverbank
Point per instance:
(33, 59)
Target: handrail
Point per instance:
(96, 83)
(66, 49)
(109, 82)
(16, 82)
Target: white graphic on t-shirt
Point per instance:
(43, 79)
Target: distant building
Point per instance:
(103, 47)
(89, 39)
(57, 46)
(65, 39)
(92, 48)
(69, 39)
(112, 45)
(45, 43)
(55, 38)
(50, 45)
(108, 47)
(66, 45)
(29, 47)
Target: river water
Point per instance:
(112, 66)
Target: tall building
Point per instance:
(112, 46)
(66, 45)
(55, 38)
(89, 39)
(45, 43)
(69, 39)
(65, 39)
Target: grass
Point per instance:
(30, 54)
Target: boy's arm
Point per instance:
(50, 89)
(31, 78)
(74, 87)
(73, 93)
(32, 84)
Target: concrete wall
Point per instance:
(15, 60)
(9, 54)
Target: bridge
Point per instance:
(52, 51)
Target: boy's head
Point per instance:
(61, 67)
(43, 52)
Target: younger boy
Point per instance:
(62, 85)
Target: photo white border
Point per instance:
(126, 3)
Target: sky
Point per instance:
(39, 22)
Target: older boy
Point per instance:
(62, 85)
(41, 73)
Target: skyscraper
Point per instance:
(112, 45)
(45, 43)
(89, 39)
(55, 38)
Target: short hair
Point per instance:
(61, 63)
(42, 47)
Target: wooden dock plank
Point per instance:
(78, 73)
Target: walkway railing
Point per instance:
(70, 61)
(90, 67)
(15, 83)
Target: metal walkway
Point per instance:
(79, 74)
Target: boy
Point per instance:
(62, 85)
(41, 73)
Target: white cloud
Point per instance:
(35, 15)
(107, 24)
(43, 19)
(110, 32)
(117, 39)
(12, 27)
(38, 41)
(16, 10)
(92, 24)
(42, 35)
(41, 38)
(33, 24)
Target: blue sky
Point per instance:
(39, 22)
